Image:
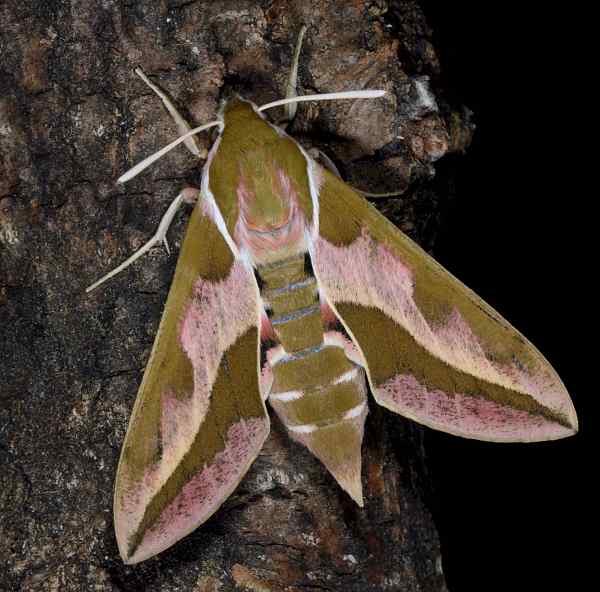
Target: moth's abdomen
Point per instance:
(317, 391)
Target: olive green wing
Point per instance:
(198, 421)
(433, 350)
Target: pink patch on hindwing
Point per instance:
(207, 490)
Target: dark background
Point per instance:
(514, 517)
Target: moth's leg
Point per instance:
(330, 166)
(378, 195)
(291, 90)
(189, 195)
(182, 125)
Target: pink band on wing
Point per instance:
(464, 415)
(367, 273)
(203, 494)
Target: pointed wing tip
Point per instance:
(570, 425)
(126, 557)
(140, 554)
(137, 554)
(564, 425)
(550, 432)
(567, 428)
(574, 421)
(135, 559)
(570, 430)
(573, 427)
(129, 560)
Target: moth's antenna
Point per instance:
(291, 90)
(330, 165)
(350, 94)
(336, 96)
(183, 127)
(138, 168)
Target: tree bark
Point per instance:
(73, 117)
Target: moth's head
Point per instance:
(258, 166)
(245, 121)
(239, 112)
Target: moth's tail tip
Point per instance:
(352, 485)
(356, 493)
(349, 479)
(344, 461)
(346, 471)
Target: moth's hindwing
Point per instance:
(433, 350)
(199, 420)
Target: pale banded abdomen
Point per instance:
(317, 391)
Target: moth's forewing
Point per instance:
(199, 420)
(434, 351)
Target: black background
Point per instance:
(513, 516)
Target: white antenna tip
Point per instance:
(334, 96)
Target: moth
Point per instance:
(292, 289)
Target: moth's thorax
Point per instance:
(270, 226)
(260, 181)
(265, 193)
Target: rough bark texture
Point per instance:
(72, 118)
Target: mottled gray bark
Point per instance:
(72, 118)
